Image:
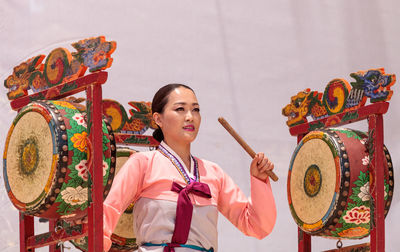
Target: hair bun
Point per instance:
(158, 135)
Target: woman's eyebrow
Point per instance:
(184, 103)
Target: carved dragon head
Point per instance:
(298, 108)
(375, 83)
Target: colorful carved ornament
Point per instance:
(139, 120)
(340, 96)
(60, 66)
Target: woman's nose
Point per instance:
(189, 116)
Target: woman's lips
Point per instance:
(189, 128)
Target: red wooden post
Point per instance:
(377, 238)
(95, 210)
(52, 227)
(26, 229)
(304, 241)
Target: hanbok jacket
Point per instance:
(146, 180)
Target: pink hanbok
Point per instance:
(147, 179)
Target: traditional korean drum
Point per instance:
(123, 238)
(329, 183)
(45, 160)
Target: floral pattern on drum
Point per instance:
(354, 232)
(82, 170)
(75, 196)
(74, 192)
(364, 192)
(357, 215)
(356, 218)
(353, 133)
(80, 141)
(80, 119)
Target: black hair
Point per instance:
(160, 99)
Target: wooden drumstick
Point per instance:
(245, 146)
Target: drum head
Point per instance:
(314, 174)
(123, 233)
(123, 238)
(30, 157)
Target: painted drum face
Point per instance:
(123, 238)
(329, 183)
(45, 160)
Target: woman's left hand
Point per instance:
(260, 165)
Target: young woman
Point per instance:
(177, 196)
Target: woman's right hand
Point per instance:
(260, 166)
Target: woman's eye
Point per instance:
(196, 109)
(179, 109)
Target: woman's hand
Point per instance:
(260, 165)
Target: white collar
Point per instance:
(190, 173)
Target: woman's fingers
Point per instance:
(265, 164)
(260, 165)
(260, 157)
(269, 166)
(256, 160)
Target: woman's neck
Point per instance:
(183, 151)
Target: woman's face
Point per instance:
(181, 118)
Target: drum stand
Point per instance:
(374, 115)
(90, 83)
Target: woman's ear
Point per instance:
(157, 119)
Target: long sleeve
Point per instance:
(255, 216)
(124, 190)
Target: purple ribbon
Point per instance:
(184, 211)
(171, 247)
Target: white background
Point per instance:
(244, 59)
